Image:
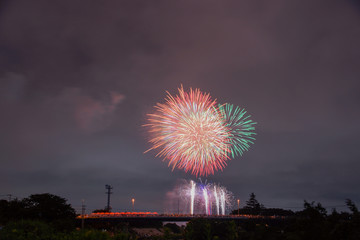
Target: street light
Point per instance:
(238, 201)
(133, 204)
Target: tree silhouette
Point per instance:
(252, 203)
(253, 206)
(48, 207)
(11, 210)
(351, 206)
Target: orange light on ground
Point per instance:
(118, 214)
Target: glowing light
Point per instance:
(189, 131)
(118, 214)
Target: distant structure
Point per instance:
(108, 188)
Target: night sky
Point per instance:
(77, 79)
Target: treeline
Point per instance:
(42, 207)
(46, 216)
(313, 222)
(253, 207)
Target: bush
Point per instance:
(27, 229)
(198, 229)
(90, 235)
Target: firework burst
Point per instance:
(189, 132)
(241, 128)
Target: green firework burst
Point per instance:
(241, 128)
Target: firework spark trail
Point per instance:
(241, 128)
(190, 133)
(192, 196)
(216, 200)
(206, 200)
(223, 202)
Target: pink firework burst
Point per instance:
(189, 132)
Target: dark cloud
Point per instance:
(77, 80)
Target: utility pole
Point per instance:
(108, 187)
(82, 213)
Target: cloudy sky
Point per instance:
(77, 80)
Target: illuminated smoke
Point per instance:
(189, 197)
